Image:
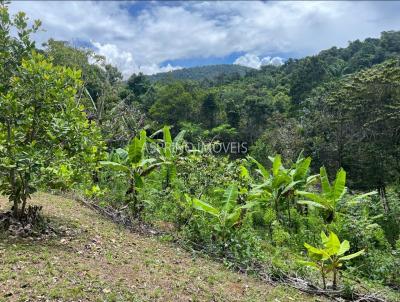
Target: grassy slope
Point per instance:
(100, 261)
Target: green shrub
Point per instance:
(330, 257)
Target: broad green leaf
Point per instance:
(249, 205)
(326, 187)
(313, 250)
(172, 172)
(259, 191)
(156, 133)
(313, 197)
(280, 179)
(150, 169)
(302, 168)
(167, 141)
(351, 256)
(290, 186)
(276, 164)
(122, 153)
(261, 169)
(339, 188)
(300, 156)
(312, 179)
(205, 207)
(178, 140)
(324, 238)
(344, 247)
(230, 196)
(311, 203)
(115, 166)
(147, 161)
(244, 173)
(136, 149)
(263, 186)
(167, 135)
(138, 180)
(188, 200)
(332, 245)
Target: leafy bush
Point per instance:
(31, 148)
(330, 258)
(380, 265)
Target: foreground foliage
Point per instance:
(93, 259)
(43, 132)
(253, 213)
(330, 258)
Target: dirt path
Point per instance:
(100, 261)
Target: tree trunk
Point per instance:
(323, 280)
(15, 207)
(132, 199)
(276, 208)
(131, 190)
(12, 172)
(334, 285)
(382, 196)
(22, 211)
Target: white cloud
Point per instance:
(251, 60)
(276, 61)
(114, 56)
(147, 35)
(125, 60)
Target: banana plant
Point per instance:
(331, 195)
(228, 216)
(133, 163)
(279, 184)
(170, 153)
(330, 257)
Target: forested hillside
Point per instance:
(289, 173)
(221, 72)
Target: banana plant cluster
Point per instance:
(170, 154)
(330, 195)
(328, 200)
(133, 162)
(279, 184)
(228, 216)
(329, 258)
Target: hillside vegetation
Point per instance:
(288, 174)
(198, 73)
(95, 260)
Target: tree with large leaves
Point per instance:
(41, 122)
(42, 126)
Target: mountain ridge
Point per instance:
(198, 73)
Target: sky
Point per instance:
(152, 37)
